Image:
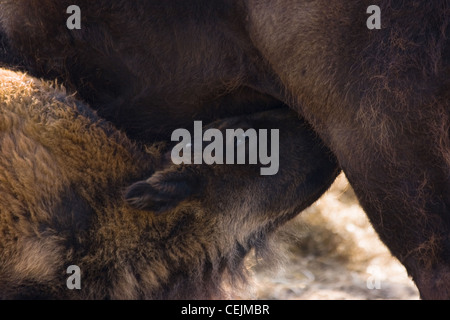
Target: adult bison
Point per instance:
(377, 98)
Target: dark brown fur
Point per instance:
(377, 98)
(62, 174)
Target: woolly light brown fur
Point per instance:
(63, 172)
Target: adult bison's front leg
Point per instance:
(379, 99)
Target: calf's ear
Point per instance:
(164, 190)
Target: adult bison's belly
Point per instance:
(155, 119)
(152, 64)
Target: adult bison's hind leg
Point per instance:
(406, 196)
(396, 157)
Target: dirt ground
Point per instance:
(331, 252)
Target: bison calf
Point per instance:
(62, 174)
